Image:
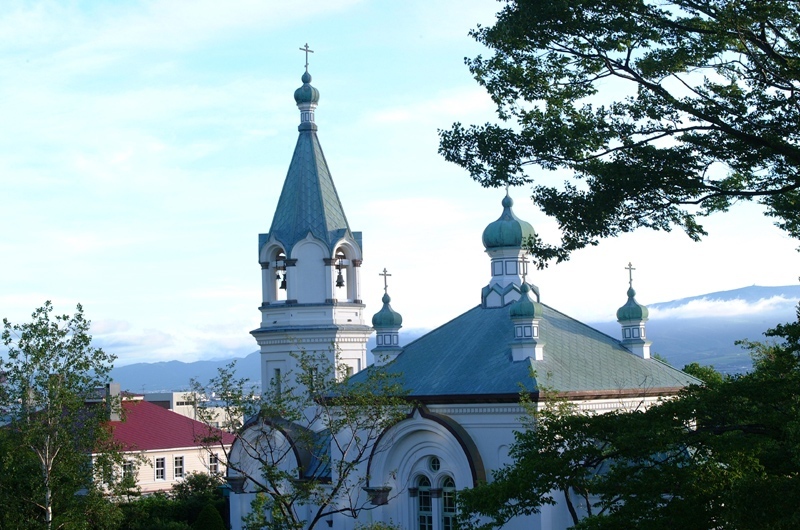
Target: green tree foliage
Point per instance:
(155, 512)
(51, 371)
(197, 485)
(660, 112)
(209, 519)
(180, 509)
(378, 525)
(707, 374)
(331, 421)
(723, 455)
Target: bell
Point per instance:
(283, 282)
(339, 279)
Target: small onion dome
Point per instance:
(525, 307)
(632, 310)
(386, 317)
(306, 93)
(508, 231)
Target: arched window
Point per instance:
(279, 280)
(424, 504)
(448, 504)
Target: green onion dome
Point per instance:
(508, 231)
(632, 310)
(306, 93)
(387, 317)
(525, 307)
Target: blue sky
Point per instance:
(144, 145)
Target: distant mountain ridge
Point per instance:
(704, 328)
(751, 294)
(683, 331)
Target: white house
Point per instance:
(163, 445)
(465, 375)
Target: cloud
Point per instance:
(88, 31)
(109, 326)
(461, 104)
(705, 307)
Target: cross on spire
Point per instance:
(630, 270)
(385, 280)
(307, 50)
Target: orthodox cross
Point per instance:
(385, 282)
(630, 270)
(307, 50)
(524, 263)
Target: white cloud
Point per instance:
(459, 104)
(109, 326)
(705, 307)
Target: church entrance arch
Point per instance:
(424, 461)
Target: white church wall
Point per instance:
(307, 278)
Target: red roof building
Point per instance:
(169, 444)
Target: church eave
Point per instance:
(286, 330)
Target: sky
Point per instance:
(144, 145)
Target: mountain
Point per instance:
(699, 329)
(175, 375)
(704, 328)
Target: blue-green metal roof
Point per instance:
(509, 230)
(470, 357)
(306, 93)
(632, 310)
(525, 306)
(308, 201)
(387, 317)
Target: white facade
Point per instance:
(465, 376)
(160, 470)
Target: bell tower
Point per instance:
(310, 264)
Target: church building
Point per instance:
(464, 377)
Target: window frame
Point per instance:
(424, 504)
(448, 511)
(176, 467)
(128, 469)
(160, 467)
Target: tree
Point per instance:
(50, 372)
(660, 112)
(209, 519)
(692, 462)
(329, 421)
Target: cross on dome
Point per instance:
(630, 270)
(385, 280)
(307, 50)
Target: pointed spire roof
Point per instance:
(308, 202)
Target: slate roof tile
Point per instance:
(148, 427)
(471, 356)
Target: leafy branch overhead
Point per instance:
(662, 112)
